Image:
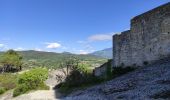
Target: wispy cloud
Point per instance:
(2, 45)
(53, 45)
(38, 49)
(83, 52)
(19, 49)
(100, 37)
(87, 43)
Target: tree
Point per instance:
(11, 61)
(75, 72)
(68, 65)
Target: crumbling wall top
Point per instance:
(152, 13)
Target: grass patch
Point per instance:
(2, 90)
(8, 81)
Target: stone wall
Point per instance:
(102, 70)
(147, 40)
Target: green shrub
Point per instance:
(8, 81)
(12, 61)
(79, 76)
(31, 80)
(21, 89)
(2, 90)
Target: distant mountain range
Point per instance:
(106, 53)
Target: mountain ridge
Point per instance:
(105, 53)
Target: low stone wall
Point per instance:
(102, 70)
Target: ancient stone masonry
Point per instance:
(147, 40)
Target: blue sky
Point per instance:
(77, 26)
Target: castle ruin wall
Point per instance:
(147, 40)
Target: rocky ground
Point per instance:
(146, 83)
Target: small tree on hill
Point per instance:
(11, 61)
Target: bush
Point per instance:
(8, 81)
(2, 90)
(12, 61)
(31, 80)
(21, 89)
(79, 76)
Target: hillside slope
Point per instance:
(52, 60)
(146, 83)
(106, 53)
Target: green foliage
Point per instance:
(8, 80)
(21, 89)
(11, 60)
(52, 60)
(2, 90)
(31, 80)
(79, 76)
(117, 71)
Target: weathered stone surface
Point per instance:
(102, 70)
(147, 40)
(146, 83)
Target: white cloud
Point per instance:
(100, 37)
(19, 49)
(38, 49)
(2, 45)
(83, 52)
(81, 42)
(53, 45)
(64, 48)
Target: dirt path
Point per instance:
(40, 94)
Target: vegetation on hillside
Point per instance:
(7, 81)
(11, 61)
(79, 67)
(31, 80)
(52, 60)
(78, 75)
